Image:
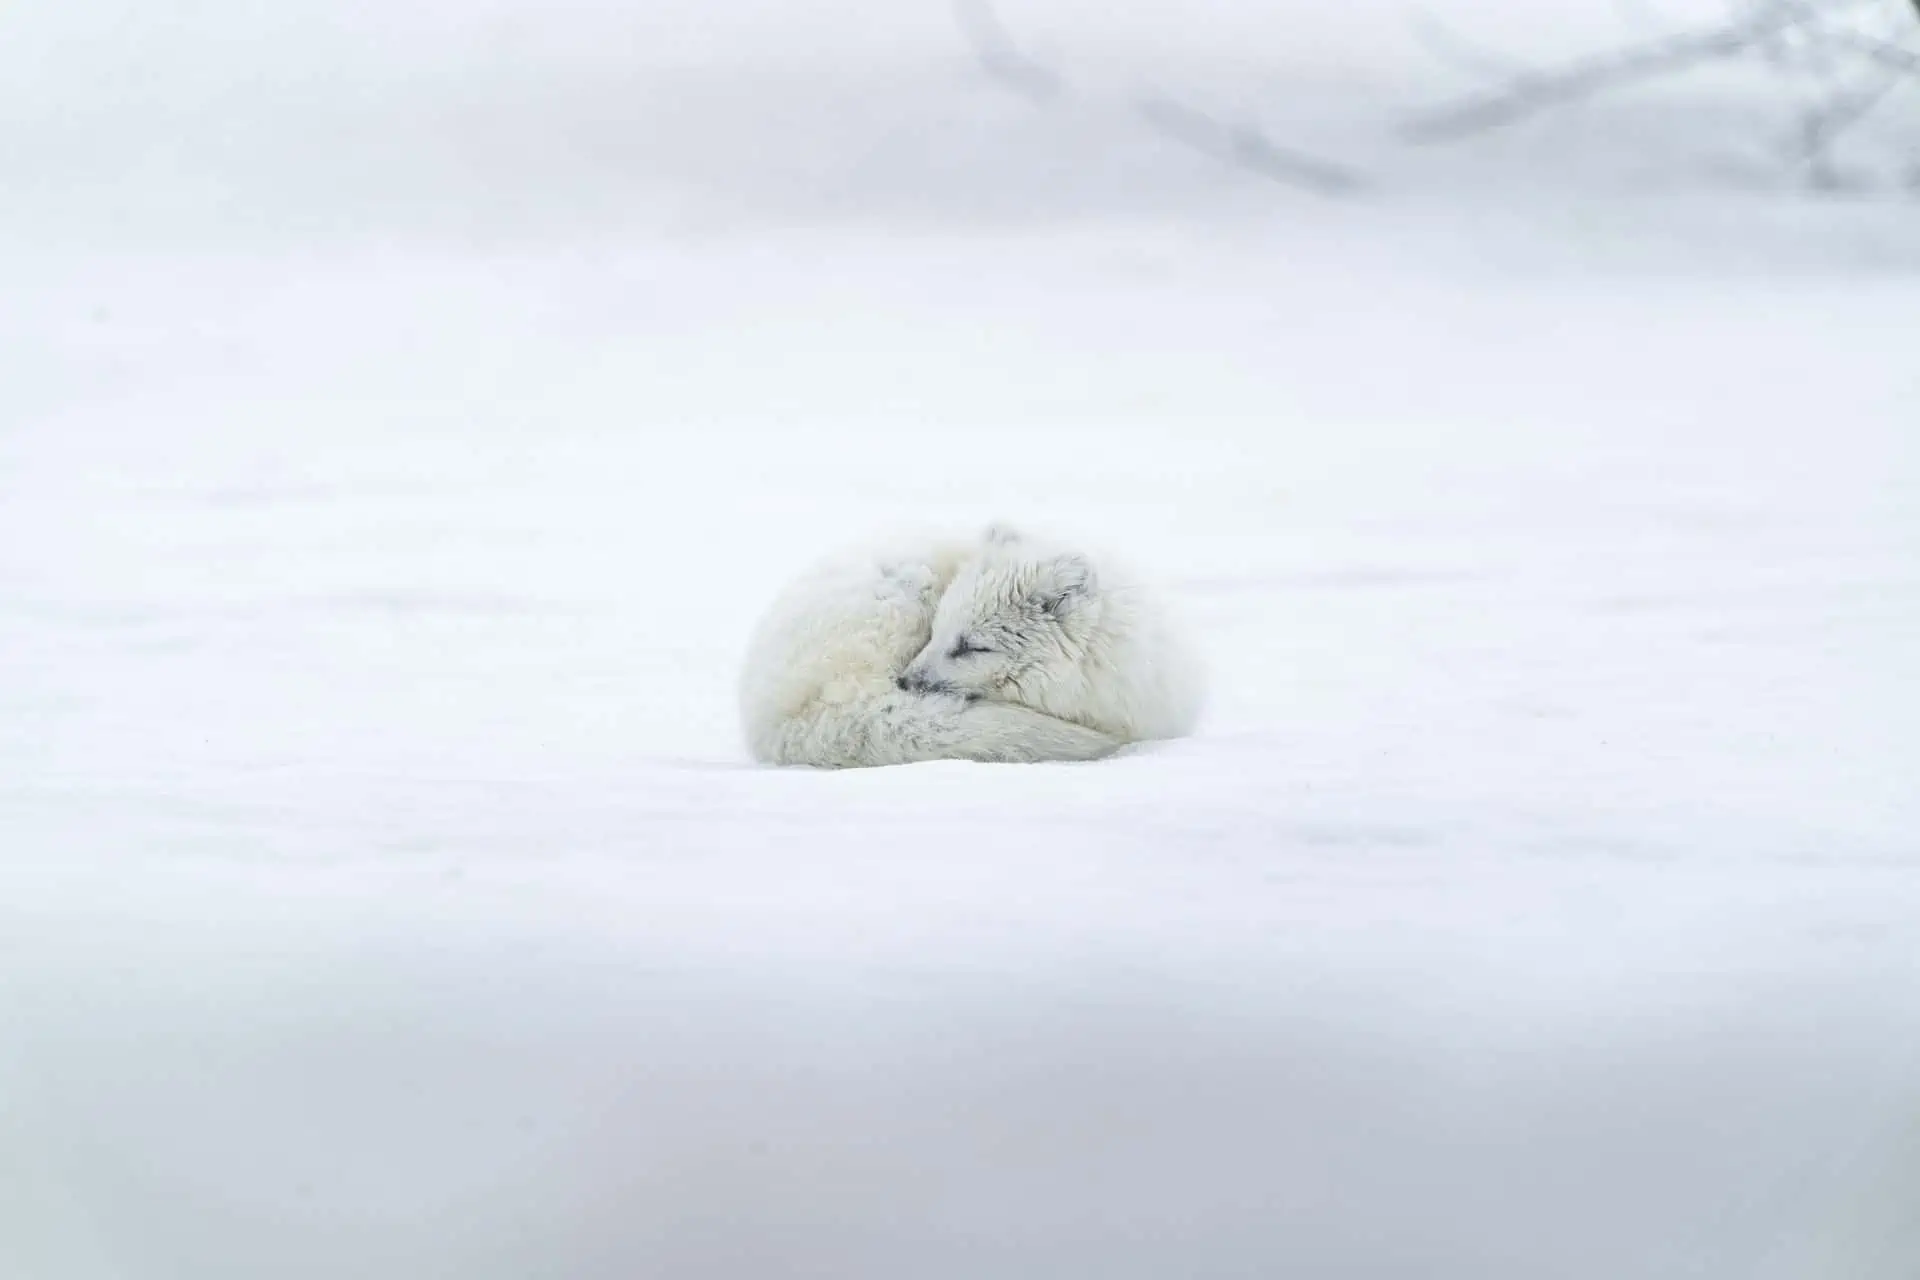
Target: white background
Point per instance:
(406, 410)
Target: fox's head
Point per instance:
(1016, 619)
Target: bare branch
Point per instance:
(1528, 94)
(1000, 57)
(1814, 40)
(1822, 127)
(1241, 145)
(1245, 146)
(1890, 56)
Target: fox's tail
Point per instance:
(906, 728)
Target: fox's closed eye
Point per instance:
(964, 646)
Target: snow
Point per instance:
(384, 889)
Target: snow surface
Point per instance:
(384, 890)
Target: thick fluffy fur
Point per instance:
(998, 649)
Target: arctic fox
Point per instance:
(998, 649)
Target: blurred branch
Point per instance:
(1890, 56)
(1531, 93)
(1000, 57)
(1815, 40)
(1243, 146)
(1822, 126)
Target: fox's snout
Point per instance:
(912, 681)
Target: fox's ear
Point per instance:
(1000, 534)
(1065, 584)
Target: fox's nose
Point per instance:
(902, 685)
